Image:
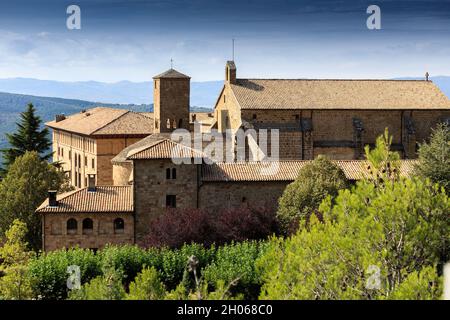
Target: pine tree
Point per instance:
(29, 137)
(434, 157)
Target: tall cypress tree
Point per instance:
(28, 137)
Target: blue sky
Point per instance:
(135, 39)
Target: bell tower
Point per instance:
(171, 91)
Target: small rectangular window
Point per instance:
(254, 116)
(171, 201)
(174, 173)
(85, 161)
(93, 163)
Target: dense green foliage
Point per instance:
(235, 264)
(23, 189)
(382, 239)
(14, 256)
(399, 228)
(29, 137)
(435, 157)
(147, 286)
(301, 198)
(49, 271)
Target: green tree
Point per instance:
(147, 286)
(423, 285)
(23, 189)
(15, 284)
(314, 183)
(29, 137)
(384, 164)
(434, 157)
(399, 229)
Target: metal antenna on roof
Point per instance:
(171, 63)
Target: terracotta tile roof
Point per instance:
(163, 149)
(172, 73)
(105, 121)
(104, 199)
(146, 142)
(129, 123)
(286, 171)
(338, 94)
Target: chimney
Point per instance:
(52, 202)
(230, 72)
(91, 183)
(60, 117)
(427, 75)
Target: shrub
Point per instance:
(177, 227)
(245, 223)
(49, 271)
(235, 264)
(147, 286)
(128, 259)
(174, 263)
(302, 197)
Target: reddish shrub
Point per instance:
(179, 226)
(245, 223)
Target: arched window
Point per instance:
(174, 173)
(180, 123)
(88, 225)
(168, 124)
(168, 173)
(72, 226)
(119, 225)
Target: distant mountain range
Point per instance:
(11, 105)
(203, 94)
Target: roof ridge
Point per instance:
(143, 148)
(113, 120)
(331, 79)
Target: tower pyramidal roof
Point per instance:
(173, 74)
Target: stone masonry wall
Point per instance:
(57, 237)
(151, 188)
(216, 196)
